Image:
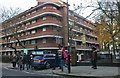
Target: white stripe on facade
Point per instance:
(31, 49)
(40, 15)
(50, 24)
(86, 41)
(37, 16)
(43, 36)
(83, 49)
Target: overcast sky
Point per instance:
(26, 4)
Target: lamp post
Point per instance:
(69, 46)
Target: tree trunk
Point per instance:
(113, 42)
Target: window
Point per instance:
(34, 11)
(5, 38)
(5, 46)
(54, 8)
(27, 42)
(18, 35)
(27, 33)
(22, 34)
(9, 38)
(44, 18)
(33, 41)
(71, 22)
(44, 29)
(28, 23)
(34, 21)
(18, 27)
(33, 31)
(28, 14)
(22, 25)
(44, 41)
(44, 8)
(23, 43)
(17, 44)
(58, 40)
(54, 18)
(23, 16)
(13, 44)
(50, 56)
(13, 36)
(80, 29)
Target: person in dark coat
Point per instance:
(57, 61)
(26, 61)
(29, 60)
(20, 62)
(14, 60)
(94, 58)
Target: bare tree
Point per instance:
(9, 24)
(7, 13)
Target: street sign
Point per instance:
(26, 51)
(83, 39)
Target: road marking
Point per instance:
(18, 70)
(9, 69)
(28, 72)
(5, 68)
(35, 72)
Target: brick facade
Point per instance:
(45, 26)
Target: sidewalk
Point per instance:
(87, 71)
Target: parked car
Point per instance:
(104, 57)
(43, 61)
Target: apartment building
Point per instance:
(42, 28)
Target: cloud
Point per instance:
(23, 4)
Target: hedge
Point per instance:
(5, 59)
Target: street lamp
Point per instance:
(69, 46)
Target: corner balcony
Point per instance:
(43, 12)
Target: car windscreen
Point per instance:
(38, 57)
(49, 56)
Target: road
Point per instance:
(9, 72)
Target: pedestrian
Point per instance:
(56, 61)
(14, 60)
(64, 58)
(29, 60)
(24, 61)
(20, 62)
(94, 57)
(18, 55)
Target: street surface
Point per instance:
(9, 72)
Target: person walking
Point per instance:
(24, 61)
(94, 57)
(64, 58)
(20, 62)
(14, 60)
(28, 61)
(56, 61)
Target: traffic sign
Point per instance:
(26, 51)
(83, 39)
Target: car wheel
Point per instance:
(47, 65)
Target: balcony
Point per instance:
(78, 47)
(42, 12)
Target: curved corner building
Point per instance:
(41, 29)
